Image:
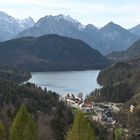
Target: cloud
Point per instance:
(123, 12)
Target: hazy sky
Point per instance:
(97, 12)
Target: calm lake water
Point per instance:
(67, 82)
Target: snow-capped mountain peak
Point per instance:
(3, 14)
(53, 22)
(67, 18)
(10, 26)
(26, 23)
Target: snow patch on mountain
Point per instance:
(10, 26)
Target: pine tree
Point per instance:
(119, 134)
(1, 130)
(31, 130)
(23, 127)
(81, 129)
(19, 124)
(58, 124)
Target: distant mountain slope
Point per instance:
(9, 26)
(51, 52)
(1, 38)
(131, 53)
(135, 30)
(111, 37)
(115, 38)
(62, 25)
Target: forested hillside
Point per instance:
(121, 83)
(52, 118)
(51, 53)
(12, 74)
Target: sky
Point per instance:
(97, 12)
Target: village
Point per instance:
(102, 112)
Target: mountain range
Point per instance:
(10, 26)
(111, 37)
(115, 38)
(50, 53)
